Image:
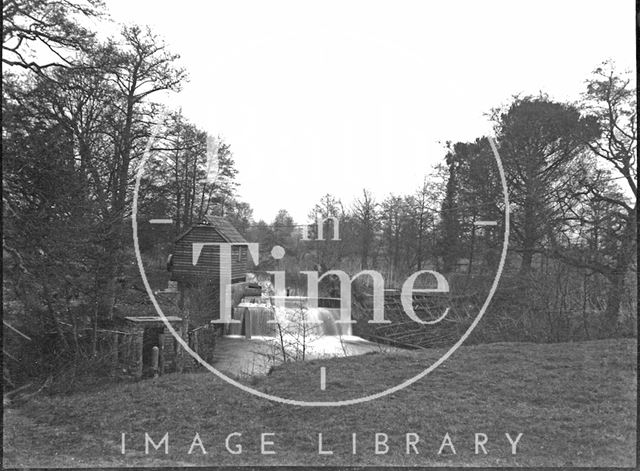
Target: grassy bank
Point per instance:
(574, 403)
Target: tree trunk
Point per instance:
(527, 260)
(617, 278)
(614, 296)
(529, 232)
(54, 316)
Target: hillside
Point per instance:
(575, 404)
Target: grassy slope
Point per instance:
(575, 404)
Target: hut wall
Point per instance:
(135, 358)
(208, 266)
(168, 349)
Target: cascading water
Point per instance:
(285, 328)
(326, 321)
(291, 315)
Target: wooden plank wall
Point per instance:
(208, 266)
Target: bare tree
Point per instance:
(608, 210)
(365, 214)
(42, 35)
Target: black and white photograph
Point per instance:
(302, 234)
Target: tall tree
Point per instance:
(607, 210)
(392, 216)
(38, 35)
(182, 178)
(538, 138)
(479, 198)
(365, 217)
(102, 111)
(450, 231)
(421, 209)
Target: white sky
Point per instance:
(331, 96)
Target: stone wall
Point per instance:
(128, 354)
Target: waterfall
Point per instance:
(295, 318)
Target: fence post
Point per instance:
(247, 323)
(155, 354)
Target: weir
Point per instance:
(290, 315)
(254, 346)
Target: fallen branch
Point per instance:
(10, 394)
(26, 397)
(16, 330)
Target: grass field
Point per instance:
(574, 403)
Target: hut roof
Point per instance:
(222, 226)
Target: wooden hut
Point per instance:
(207, 269)
(199, 284)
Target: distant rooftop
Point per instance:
(222, 226)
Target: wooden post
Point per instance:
(155, 355)
(161, 357)
(247, 323)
